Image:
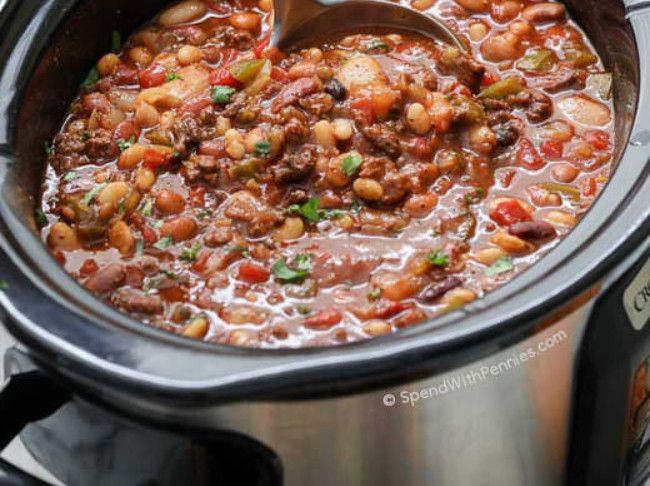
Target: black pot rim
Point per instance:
(78, 337)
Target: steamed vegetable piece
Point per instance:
(502, 88)
(537, 60)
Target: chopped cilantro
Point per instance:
(125, 144)
(191, 254)
(150, 284)
(147, 208)
(163, 243)
(91, 78)
(438, 258)
(116, 41)
(286, 274)
(351, 163)
(49, 149)
(374, 294)
(332, 213)
(90, 195)
(121, 207)
(201, 215)
(171, 76)
(355, 207)
(263, 147)
(221, 94)
(85, 135)
(70, 176)
(310, 210)
(4, 285)
(502, 265)
(40, 217)
(376, 44)
(238, 249)
(157, 223)
(304, 310)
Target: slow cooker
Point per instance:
(542, 382)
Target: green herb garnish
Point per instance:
(376, 44)
(49, 149)
(40, 217)
(374, 294)
(350, 164)
(502, 265)
(310, 210)
(125, 144)
(438, 258)
(171, 76)
(304, 310)
(90, 195)
(222, 94)
(85, 135)
(147, 208)
(263, 147)
(70, 176)
(238, 249)
(163, 243)
(201, 215)
(284, 273)
(91, 78)
(191, 254)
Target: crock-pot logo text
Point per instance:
(476, 375)
(636, 298)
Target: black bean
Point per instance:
(335, 89)
(437, 290)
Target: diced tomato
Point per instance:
(258, 50)
(509, 212)
(598, 139)
(364, 106)
(552, 149)
(422, 148)
(154, 159)
(589, 186)
(489, 78)
(323, 319)
(201, 262)
(410, 317)
(125, 75)
(125, 130)
(194, 105)
(387, 308)
(148, 235)
(222, 77)
(279, 74)
(88, 268)
(134, 277)
(154, 75)
(252, 273)
(528, 157)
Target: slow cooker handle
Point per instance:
(26, 397)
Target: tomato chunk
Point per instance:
(598, 139)
(323, 319)
(222, 77)
(279, 74)
(258, 50)
(252, 273)
(552, 149)
(154, 159)
(528, 157)
(153, 76)
(509, 212)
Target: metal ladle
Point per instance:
(298, 21)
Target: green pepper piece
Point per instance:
(245, 71)
(569, 191)
(537, 60)
(502, 88)
(246, 168)
(469, 110)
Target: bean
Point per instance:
(562, 218)
(585, 110)
(291, 229)
(189, 55)
(441, 112)
(458, 297)
(418, 118)
(113, 193)
(169, 202)
(511, 243)
(532, 230)
(107, 64)
(252, 138)
(324, 73)
(239, 337)
(368, 189)
(397, 286)
(146, 115)
(488, 256)
(144, 179)
(377, 327)
(324, 133)
(422, 4)
(420, 205)
(436, 290)
(501, 47)
(265, 5)
(342, 129)
(140, 55)
(197, 328)
(182, 12)
(245, 21)
(223, 125)
(477, 31)
(180, 229)
(335, 176)
(303, 69)
(474, 5)
(63, 237)
(564, 172)
(131, 156)
(243, 314)
(235, 144)
(543, 12)
(121, 237)
(482, 139)
(520, 28)
(106, 280)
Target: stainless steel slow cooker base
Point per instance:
(140, 405)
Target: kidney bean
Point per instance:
(434, 291)
(532, 230)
